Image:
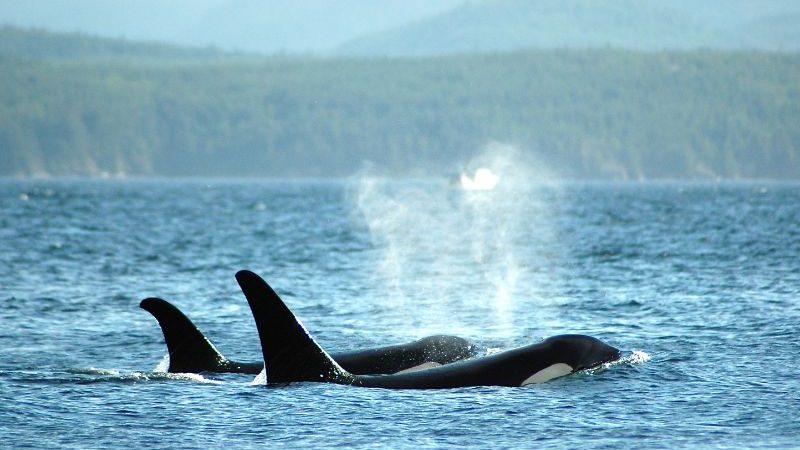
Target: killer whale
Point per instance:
(190, 351)
(291, 354)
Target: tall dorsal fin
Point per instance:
(290, 353)
(189, 350)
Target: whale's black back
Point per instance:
(191, 351)
(290, 354)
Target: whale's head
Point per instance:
(583, 352)
(569, 353)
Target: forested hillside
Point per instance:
(587, 113)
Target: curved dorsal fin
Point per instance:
(189, 350)
(290, 353)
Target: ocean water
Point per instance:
(699, 284)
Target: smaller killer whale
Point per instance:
(190, 351)
(291, 354)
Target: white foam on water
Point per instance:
(193, 377)
(94, 371)
(163, 365)
(638, 357)
(635, 357)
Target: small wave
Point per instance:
(94, 375)
(635, 357)
(135, 377)
(115, 376)
(192, 377)
(493, 350)
(638, 357)
(93, 371)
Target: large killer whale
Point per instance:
(291, 354)
(190, 351)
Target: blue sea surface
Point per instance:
(698, 283)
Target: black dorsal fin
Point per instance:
(290, 353)
(189, 350)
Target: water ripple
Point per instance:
(697, 282)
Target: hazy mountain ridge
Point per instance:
(730, 14)
(264, 26)
(503, 25)
(303, 26)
